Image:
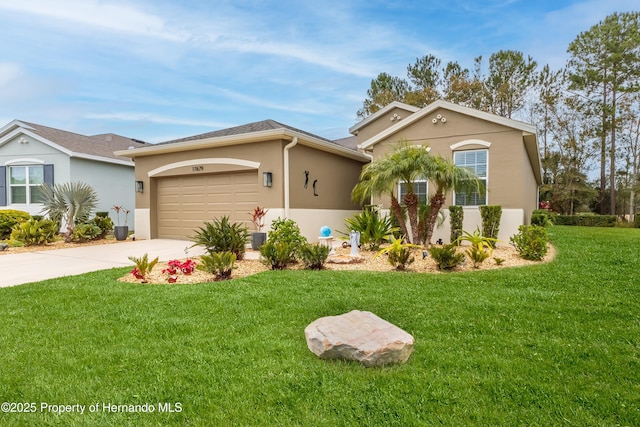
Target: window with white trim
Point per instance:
(420, 189)
(477, 162)
(25, 182)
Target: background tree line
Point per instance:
(587, 113)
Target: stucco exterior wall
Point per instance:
(267, 153)
(334, 177)
(510, 179)
(382, 123)
(113, 183)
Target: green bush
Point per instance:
(374, 229)
(446, 256)
(542, 217)
(85, 233)
(8, 219)
(591, 220)
(223, 236)
(531, 242)
(277, 255)
(636, 220)
(105, 223)
(491, 216)
(220, 264)
(399, 254)
(35, 232)
(313, 256)
(287, 231)
(456, 216)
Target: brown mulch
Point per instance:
(60, 244)
(370, 262)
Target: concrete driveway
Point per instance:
(16, 269)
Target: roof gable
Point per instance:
(526, 128)
(97, 147)
(375, 116)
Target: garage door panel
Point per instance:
(185, 203)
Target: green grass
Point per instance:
(552, 344)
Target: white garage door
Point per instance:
(184, 203)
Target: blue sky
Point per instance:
(157, 69)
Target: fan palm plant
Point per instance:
(69, 203)
(406, 163)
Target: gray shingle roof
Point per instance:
(246, 129)
(97, 145)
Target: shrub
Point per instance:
(399, 254)
(374, 229)
(481, 247)
(587, 220)
(220, 264)
(143, 267)
(456, 215)
(223, 236)
(636, 220)
(286, 230)
(35, 232)
(8, 219)
(491, 216)
(314, 256)
(542, 218)
(85, 232)
(531, 242)
(104, 223)
(277, 255)
(446, 256)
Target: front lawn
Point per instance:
(552, 344)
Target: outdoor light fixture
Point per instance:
(139, 186)
(267, 179)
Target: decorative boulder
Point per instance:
(360, 336)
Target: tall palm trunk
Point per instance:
(396, 209)
(436, 203)
(411, 202)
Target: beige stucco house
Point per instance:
(292, 173)
(503, 153)
(309, 179)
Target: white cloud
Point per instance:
(9, 72)
(98, 14)
(155, 118)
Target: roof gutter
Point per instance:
(286, 174)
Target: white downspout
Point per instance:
(286, 175)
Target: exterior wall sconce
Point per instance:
(139, 186)
(267, 179)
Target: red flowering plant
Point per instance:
(174, 266)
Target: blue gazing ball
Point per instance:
(325, 231)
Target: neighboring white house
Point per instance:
(32, 154)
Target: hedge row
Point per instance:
(586, 220)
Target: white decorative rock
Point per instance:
(360, 336)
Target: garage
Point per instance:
(185, 202)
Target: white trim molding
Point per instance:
(24, 162)
(470, 142)
(209, 161)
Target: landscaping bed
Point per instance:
(370, 262)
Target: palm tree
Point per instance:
(406, 163)
(69, 203)
(446, 176)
